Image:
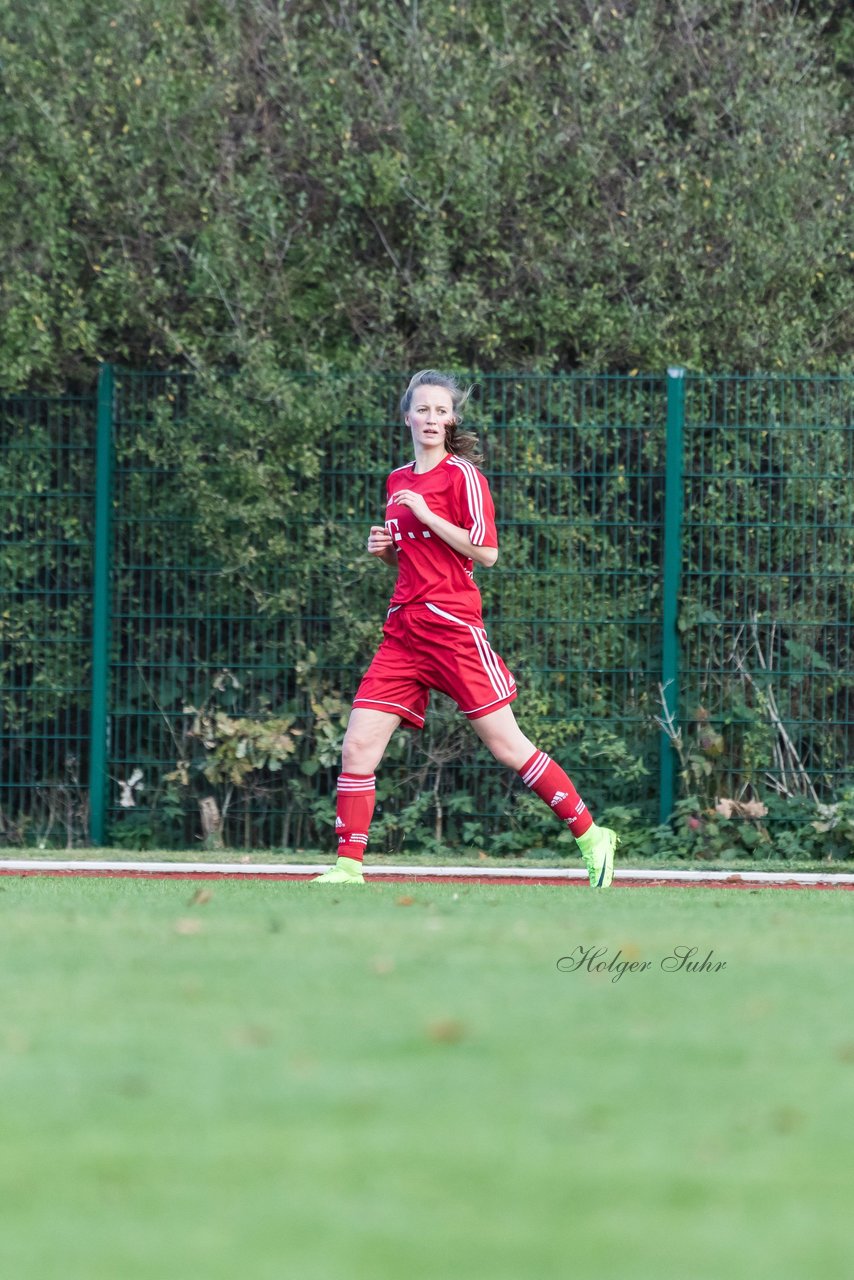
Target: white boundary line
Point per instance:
(285, 869)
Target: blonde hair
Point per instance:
(464, 444)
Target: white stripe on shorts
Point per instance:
(490, 661)
(382, 702)
(470, 711)
(487, 655)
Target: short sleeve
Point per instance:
(477, 510)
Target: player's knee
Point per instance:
(359, 753)
(505, 752)
(510, 747)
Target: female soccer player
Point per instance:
(440, 522)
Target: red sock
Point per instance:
(355, 808)
(551, 784)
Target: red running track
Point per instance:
(564, 877)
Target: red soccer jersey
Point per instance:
(428, 569)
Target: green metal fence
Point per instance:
(766, 609)
(47, 494)
(180, 568)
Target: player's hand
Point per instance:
(379, 540)
(416, 503)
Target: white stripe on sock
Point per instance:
(537, 769)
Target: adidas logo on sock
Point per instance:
(339, 823)
(558, 796)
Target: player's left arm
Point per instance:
(455, 537)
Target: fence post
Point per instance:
(98, 724)
(672, 572)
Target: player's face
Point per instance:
(429, 414)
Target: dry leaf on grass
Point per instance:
(446, 1030)
(186, 926)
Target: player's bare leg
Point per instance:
(502, 735)
(368, 734)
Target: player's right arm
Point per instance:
(380, 544)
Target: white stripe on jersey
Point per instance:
(474, 493)
(487, 656)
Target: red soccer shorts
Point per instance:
(425, 647)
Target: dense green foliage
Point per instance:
(277, 190)
(495, 184)
(245, 609)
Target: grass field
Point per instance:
(275, 1080)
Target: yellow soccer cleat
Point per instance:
(597, 849)
(345, 871)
